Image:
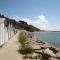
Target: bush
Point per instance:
(26, 50)
(25, 47)
(22, 39)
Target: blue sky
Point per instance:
(33, 11)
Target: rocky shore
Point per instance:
(42, 50)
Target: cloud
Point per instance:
(42, 19)
(39, 22)
(15, 17)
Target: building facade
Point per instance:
(6, 32)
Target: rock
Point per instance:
(45, 56)
(51, 58)
(44, 46)
(41, 42)
(35, 46)
(39, 51)
(33, 56)
(58, 55)
(25, 57)
(38, 57)
(55, 50)
(49, 52)
(29, 59)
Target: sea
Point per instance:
(51, 37)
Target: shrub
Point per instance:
(22, 39)
(26, 50)
(25, 47)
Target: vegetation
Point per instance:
(19, 24)
(24, 25)
(2, 16)
(26, 50)
(22, 39)
(25, 47)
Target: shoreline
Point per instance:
(53, 42)
(43, 48)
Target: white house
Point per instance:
(6, 32)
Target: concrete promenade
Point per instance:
(10, 50)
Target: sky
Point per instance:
(43, 14)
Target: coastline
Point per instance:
(42, 49)
(53, 38)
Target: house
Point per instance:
(7, 30)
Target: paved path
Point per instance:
(10, 50)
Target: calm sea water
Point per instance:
(51, 37)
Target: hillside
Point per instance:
(19, 24)
(24, 25)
